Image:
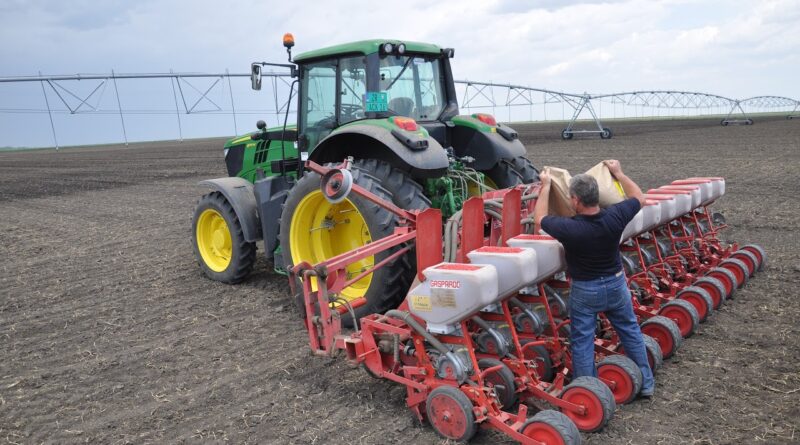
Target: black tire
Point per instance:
(654, 354)
(615, 366)
(698, 294)
(525, 168)
(540, 355)
(502, 380)
(460, 402)
(406, 193)
(689, 316)
(380, 223)
(724, 122)
(243, 253)
(603, 394)
(711, 284)
(563, 426)
(759, 252)
(663, 325)
(723, 274)
(566, 135)
(504, 175)
(606, 133)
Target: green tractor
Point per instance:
(390, 106)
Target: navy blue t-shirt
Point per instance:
(591, 242)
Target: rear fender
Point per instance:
(364, 141)
(486, 144)
(239, 193)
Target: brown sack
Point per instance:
(610, 190)
(559, 201)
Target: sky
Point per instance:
(732, 48)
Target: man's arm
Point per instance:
(628, 186)
(542, 202)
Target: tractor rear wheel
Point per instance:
(218, 241)
(526, 169)
(314, 230)
(503, 175)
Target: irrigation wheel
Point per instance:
(218, 241)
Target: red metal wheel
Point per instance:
(759, 252)
(666, 334)
(738, 268)
(727, 278)
(450, 413)
(748, 258)
(715, 289)
(624, 374)
(683, 314)
(700, 299)
(552, 428)
(596, 399)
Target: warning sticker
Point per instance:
(421, 303)
(443, 297)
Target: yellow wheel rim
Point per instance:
(474, 189)
(214, 240)
(320, 230)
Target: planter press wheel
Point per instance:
(595, 397)
(502, 380)
(738, 268)
(700, 299)
(665, 332)
(715, 289)
(552, 428)
(726, 277)
(450, 414)
(655, 358)
(540, 356)
(759, 252)
(748, 258)
(624, 373)
(683, 314)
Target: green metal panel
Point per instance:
(365, 47)
(261, 154)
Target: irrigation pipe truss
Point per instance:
(188, 97)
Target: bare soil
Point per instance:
(109, 333)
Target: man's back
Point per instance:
(591, 242)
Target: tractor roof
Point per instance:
(365, 47)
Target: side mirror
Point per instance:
(261, 125)
(255, 76)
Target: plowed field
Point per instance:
(109, 333)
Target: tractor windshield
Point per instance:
(414, 86)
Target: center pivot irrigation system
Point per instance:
(407, 236)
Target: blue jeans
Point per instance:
(611, 296)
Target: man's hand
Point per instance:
(544, 177)
(613, 166)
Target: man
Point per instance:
(591, 243)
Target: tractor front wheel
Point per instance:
(218, 241)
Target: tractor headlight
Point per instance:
(401, 48)
(387, 48)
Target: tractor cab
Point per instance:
(374, 80)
